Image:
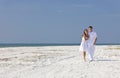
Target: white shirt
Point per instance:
(92, 38)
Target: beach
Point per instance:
(59, 62)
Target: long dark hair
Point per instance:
(85, 35)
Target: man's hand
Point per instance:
(95, 41)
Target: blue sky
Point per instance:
(58, 21)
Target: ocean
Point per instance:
(46, 44)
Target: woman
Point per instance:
(84, 43)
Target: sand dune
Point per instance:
(58, 62)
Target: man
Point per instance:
(92, 42)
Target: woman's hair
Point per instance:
(85, 35)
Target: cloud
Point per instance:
(59, 11)
(82, 5)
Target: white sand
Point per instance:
(58, 62)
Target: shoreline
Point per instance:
(5, 45)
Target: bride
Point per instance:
(84, 43)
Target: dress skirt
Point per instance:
(84, 46)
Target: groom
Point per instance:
(92, 42)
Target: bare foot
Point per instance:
(84, 60)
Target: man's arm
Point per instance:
(95, 38)
(95, 41)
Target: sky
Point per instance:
(58, 21)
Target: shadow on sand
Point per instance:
(105, 60)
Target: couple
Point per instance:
(89, 38)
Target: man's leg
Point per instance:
(91, 53)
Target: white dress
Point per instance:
(84, 45)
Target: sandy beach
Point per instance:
(59, 62)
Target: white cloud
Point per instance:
(82, 5)
(60, 11)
